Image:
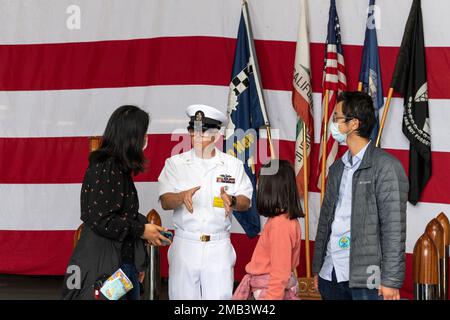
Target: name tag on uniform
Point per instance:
(218, 202)
(225, 178)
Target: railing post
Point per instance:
(443, 220)
(152, 280)
(425, 269)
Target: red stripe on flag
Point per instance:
(183, 61)
(35, 252)
(64, 160)
(118, 63)
(43, 160)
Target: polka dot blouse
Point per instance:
(109, 205)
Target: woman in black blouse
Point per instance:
(115, 231)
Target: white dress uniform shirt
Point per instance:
(338, 248)
(202, 269)
(185, 171)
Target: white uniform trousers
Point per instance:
(201, 270)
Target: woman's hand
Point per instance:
(153, 236)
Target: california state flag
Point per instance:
(302, 97)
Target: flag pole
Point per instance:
(254, 62)
(305, 197)
(324, 147)
(360, 86)
(269, 138)
(383, 118)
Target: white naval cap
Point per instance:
(209, 116)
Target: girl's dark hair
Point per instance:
(124, 138)
(277, 193)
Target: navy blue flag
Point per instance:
(245, 119)
(370, 74)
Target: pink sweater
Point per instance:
(277, 253)
(252, 284)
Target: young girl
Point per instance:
(269, 273)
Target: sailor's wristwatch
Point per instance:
(233, 201)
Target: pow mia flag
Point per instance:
(410, 80)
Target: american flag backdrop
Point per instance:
(334, 81)
(59, 84)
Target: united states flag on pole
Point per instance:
(334, 81)
(302, 97)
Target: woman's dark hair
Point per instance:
(277, 193)
(124, 139)
(359, 105)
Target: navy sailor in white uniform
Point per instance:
(203, 186)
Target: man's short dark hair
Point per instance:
(359, 105)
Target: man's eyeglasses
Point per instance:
(347, 119)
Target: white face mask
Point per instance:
(337, 135)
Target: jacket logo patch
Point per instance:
(344, 242)
(365, 182)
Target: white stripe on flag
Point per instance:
(342, 77)
(57, 206)
(25, 21)
(85, 112)
(332, 63)
(331, 78)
